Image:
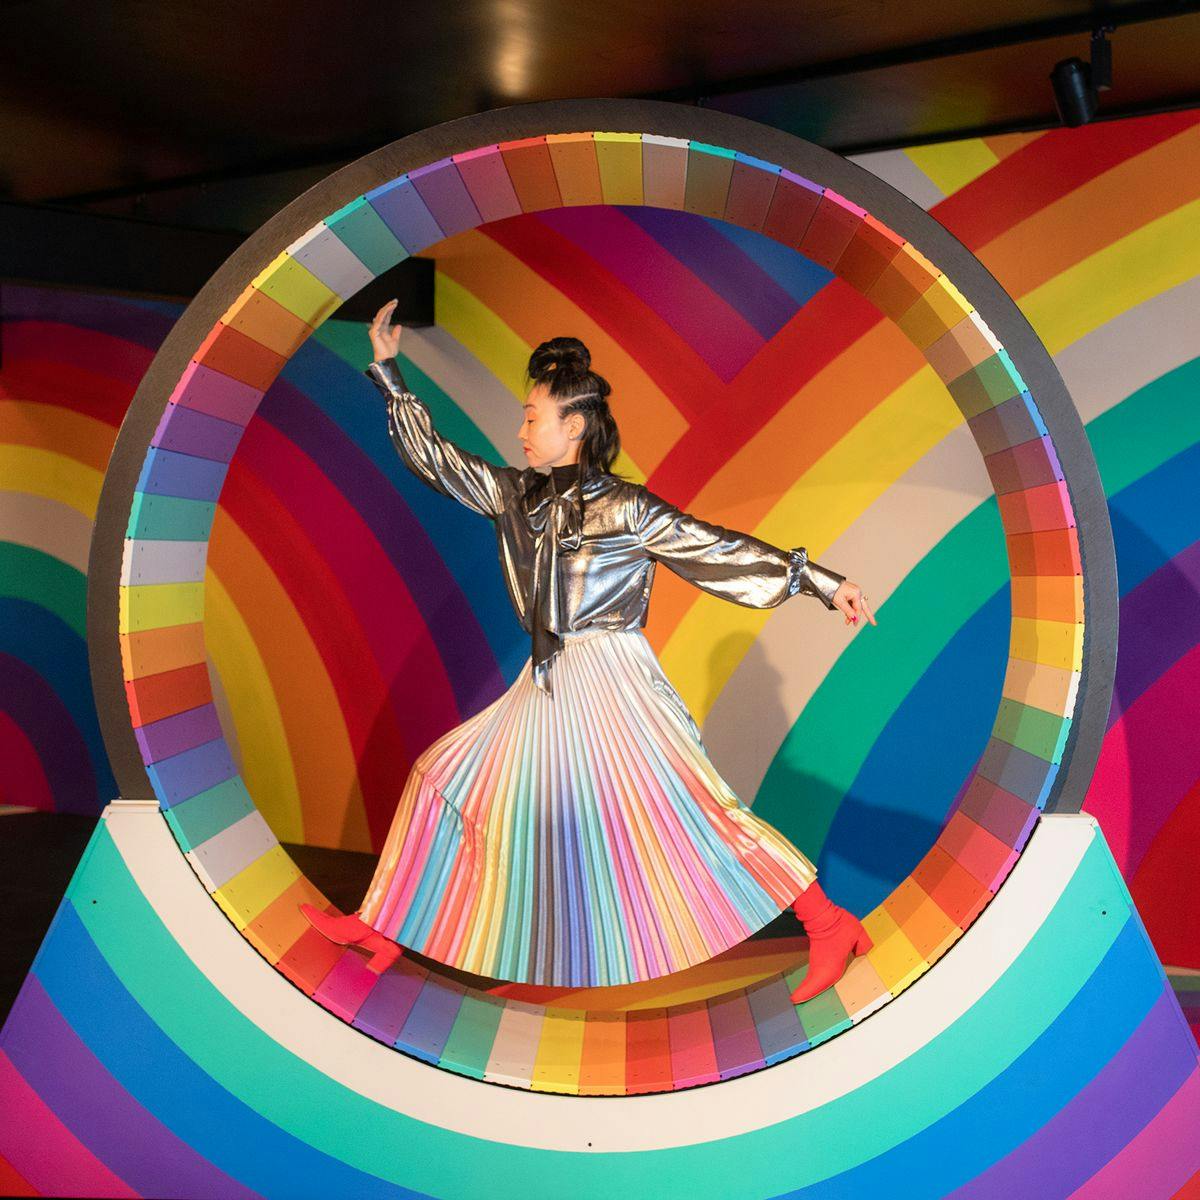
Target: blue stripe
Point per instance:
(154, 1070)
(1088, 1033)
(465, 541)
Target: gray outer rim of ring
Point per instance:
(812, 162)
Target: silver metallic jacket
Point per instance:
(584, 557)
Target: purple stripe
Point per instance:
(1151, 1164)
(193, 432)
(103, 314)
(42, 717)
(444, 192)
(192, 772)
(1118, 1103)
(734, 1037)
(1016, 770)
(183, 731)
(428, 1026)
(123, 1134)
(722, 265)
(714, 330)
(1002, 814)
(1160, 623)
(402, 210)
(777, 1020)
(385, 1010)
(466, 655)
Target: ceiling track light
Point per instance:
(1078, 84)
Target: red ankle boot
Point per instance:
(353, 931)
(832, 934)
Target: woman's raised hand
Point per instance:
(385, 337)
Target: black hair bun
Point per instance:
(565, 355)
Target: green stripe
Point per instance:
(48, 582)
(470, 1042)
(862, 692)
(1030, 729)
(297, 1097)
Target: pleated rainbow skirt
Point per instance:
(578, 840)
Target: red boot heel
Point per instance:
(833, 934)
(385, 952)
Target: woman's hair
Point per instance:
(563, 364)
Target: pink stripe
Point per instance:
(210, 392)
(1151, 753)
(663, 283)
(1161, 1159)
(43, 1149)
(345, 988)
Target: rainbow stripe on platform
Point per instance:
(151, 1052)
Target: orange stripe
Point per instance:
(326, 772)
(650, 425)
(153, 697)
(1096, 215)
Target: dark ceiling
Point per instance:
(214, 115)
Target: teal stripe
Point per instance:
(169, 519)
(290, 1092)
(474, 1033)
(207, 813)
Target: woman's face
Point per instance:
(548, 440)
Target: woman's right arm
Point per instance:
(447, 468)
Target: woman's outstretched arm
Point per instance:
(447, 468)
(735, 566)
(468, 478)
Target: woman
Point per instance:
(574, 833)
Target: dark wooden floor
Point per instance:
(40, 851)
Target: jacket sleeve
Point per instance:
(468, 478)
(735, 566)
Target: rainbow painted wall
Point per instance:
(1085, 228)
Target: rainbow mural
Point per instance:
(723, 346)
(1028, 205)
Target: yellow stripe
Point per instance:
(1054, 643)
(481, 331)
(294, 287)
(708, 643)
(1145, 263)
(52, 476)
(253, 888)
(268, 770)
(158, 605)
(327, 786)
(559, 1052)
(952, 165)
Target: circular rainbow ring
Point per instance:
(146, 591)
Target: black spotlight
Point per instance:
(1077, 84)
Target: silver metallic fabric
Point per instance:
(578, 557)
